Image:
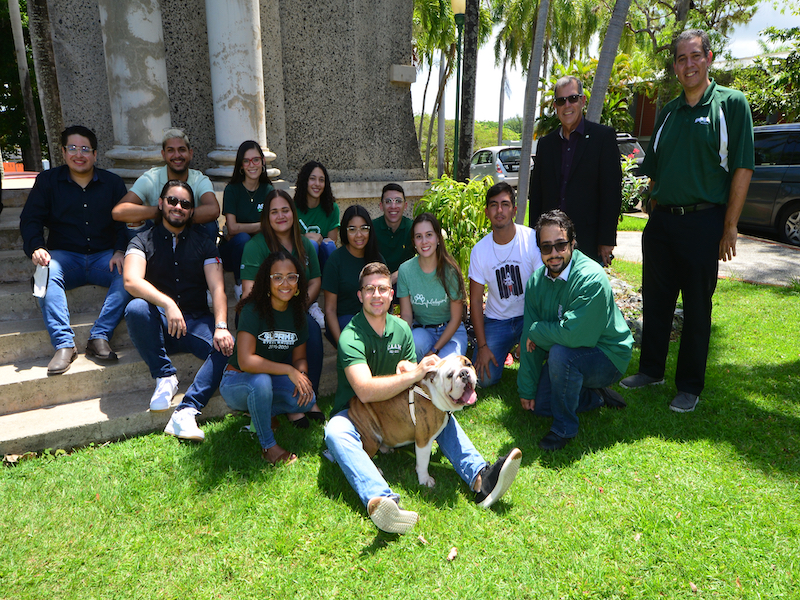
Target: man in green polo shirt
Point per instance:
(393, 229)
(376, 362)
(700, 162)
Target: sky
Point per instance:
(743, 44)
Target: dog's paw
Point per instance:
(427, 480)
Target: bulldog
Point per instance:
(417, 415)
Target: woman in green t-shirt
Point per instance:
(317, 208)
(431, 292)
(267, 374)
(242, 202)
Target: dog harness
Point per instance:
(417, 390)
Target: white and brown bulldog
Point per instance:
(417, 415)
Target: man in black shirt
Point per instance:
(84, 246)
(167, 270)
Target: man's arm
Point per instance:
(377, 389)
(223, 340)
(136, 285)
(740, 183)
(131, 209)
(484, 355)
(207, 209)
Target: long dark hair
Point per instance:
(238, 166)
(273, 243)
(260, 294)
(326, 200)
(444, 261)
(371, 252)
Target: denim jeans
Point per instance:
(344, 442)
(230, 251)
(343, 321)
(69, 270)
(501, 336)
(566, 385)
(425, 338)
(323, 250)
(147, 327)
(263, 396)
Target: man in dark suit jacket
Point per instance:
(578, 170)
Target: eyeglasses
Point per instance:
(573, 99)
(559, 246)
(370, 290)
(72, 150)
(362, 229)
(393, 200)
(251, 161)
(173, 201)
(279, 278)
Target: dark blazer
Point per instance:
(594, 188)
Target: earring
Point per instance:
(297, 292)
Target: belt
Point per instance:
(431, 326)
(682, 210)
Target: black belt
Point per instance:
(431, 326)
(682, 210)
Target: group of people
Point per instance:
(542, 287)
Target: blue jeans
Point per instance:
(501, 336)
(69, 270)
(566, 385)
(230, 251)
(343, 321)
(263, 396)
(425, 338)
(323, 250)
(344, 442)
(147, 327)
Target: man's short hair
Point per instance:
(499, 188)
(559, 219)
(373, 268)
(393, 187)
(82, 131)
(691, 34)
(566, 80)
(174, 133)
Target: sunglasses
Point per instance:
(173, 201)
(548, 248)
(573, 99)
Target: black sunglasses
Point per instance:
(573, 98)
(173, 201)
(559, 246)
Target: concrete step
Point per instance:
(15, 267)
(14, 195)
(17, 302)
(10, 238)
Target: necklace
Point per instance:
(251, 194)
(513, 245)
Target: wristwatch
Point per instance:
(221, 325)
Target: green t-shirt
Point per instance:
(429, 301)
(150, 183)
(274, 344)
(360, 344)
(243, 204)
(341, 278)
(316, 221)
(256, 252)
(396, 246)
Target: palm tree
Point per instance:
(608, 53)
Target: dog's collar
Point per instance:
(417, 390)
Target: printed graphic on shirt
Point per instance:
(278, 340)
(509, 281)
(421, 300)
(260, 206)
(312, 229)
(394, 348)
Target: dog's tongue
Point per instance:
(470, 397)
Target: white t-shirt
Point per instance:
(506, 270)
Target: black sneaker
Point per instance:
(496, 480)
(611, 399)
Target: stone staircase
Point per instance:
(92, 401)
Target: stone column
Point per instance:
(137, 82)
(237, 80)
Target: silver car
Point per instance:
(500, 162)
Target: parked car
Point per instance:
(630, 146)
(501, 162)
(773, 200)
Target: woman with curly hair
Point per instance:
(430, 287)
(242, 203)
(340, 280)
(267, 374)
(317, 208)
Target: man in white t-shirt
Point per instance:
(139, 206)
(504, 260)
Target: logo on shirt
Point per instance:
(703, 120)
(394, 348)
(260, 206)
(420, 300)
(560, 312)
(509, 281)
(278, 340)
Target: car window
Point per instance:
(628, 148)
(510, 155)
(769, 148)
(475, 158)
(792, 150)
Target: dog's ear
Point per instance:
(430, 376)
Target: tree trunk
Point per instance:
(531, 91)
(47, 83)
(422, 112)
(545, 61)
(467, 129)
(436, 107)
(35, 162)
(605, 63)
(502, 101)
(440, 118)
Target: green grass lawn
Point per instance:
(630, 223)
(644, 503)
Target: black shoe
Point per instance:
(496, 480)
(610, 398)
(100, 349)
(301, 423)
(552, 442)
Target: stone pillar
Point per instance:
(137, 82)
(237, 80)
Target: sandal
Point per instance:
(301, 423)
(285, 458)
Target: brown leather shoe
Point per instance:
(100, 349)
(62, 359)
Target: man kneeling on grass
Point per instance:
(376, 362)
(575, 341)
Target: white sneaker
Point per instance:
(316, 313)
(166, 388)
(389, 517)
(237, 291)
(182, 425)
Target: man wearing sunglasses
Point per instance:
(167, 271)
(575, 341)
(84, 246)
(393, 229)
(577, 170)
